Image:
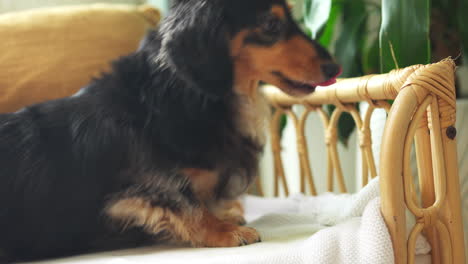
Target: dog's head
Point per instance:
(219, 44)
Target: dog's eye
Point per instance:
(272, 26)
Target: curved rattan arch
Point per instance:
(423, 113)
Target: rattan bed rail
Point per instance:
(423, 116)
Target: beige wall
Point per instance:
(16, 5)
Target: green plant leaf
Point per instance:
(283, 124)
(329, 31)
(404, 35)
(371, 57)
(352, 38)
(316, 14)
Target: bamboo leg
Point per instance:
(276, 146)
(365, 169)
(451, 212)
(332, 143)
(412, 242)
(371, 162)
(329, 170)
(391, 171)
(306, 171)
(338, 169)
(329, 138)
(426, 182)
(368, 153)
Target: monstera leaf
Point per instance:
(328, 32)
(404, 34)
(350, 43)
(371, 57)
(316, 14)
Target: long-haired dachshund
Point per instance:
(161, 146)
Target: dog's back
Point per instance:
(44, 202)
(61, 159)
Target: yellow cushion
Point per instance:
(50, 53)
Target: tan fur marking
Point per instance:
(278, 11)
(198, 227)
(295, 57)
(203, 182)
(155, 220)
(224, 234)
(253, 112)
(252, 107)
(237, 43)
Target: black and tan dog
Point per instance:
(164, 144)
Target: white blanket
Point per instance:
(350, 227)
(325, 229)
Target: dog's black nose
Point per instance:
(330, 70)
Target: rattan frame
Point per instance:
(424, 112)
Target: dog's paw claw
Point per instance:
(247, 235)
(238, 236)
(244, 242)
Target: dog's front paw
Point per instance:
(247, 235)
(232, 236)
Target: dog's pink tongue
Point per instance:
(332, 80)
(327, 83)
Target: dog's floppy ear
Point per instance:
(195, 40)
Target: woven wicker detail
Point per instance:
(423, 113)
(365, 138)
(429, 217)
(436, 79)
(447, 114)
(331, 136)
(362, 88)
(396, 79)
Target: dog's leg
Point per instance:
(230, 211)
(196, 225)
(203, 183)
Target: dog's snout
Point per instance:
(330, 70)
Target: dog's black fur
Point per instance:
(170, 105)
